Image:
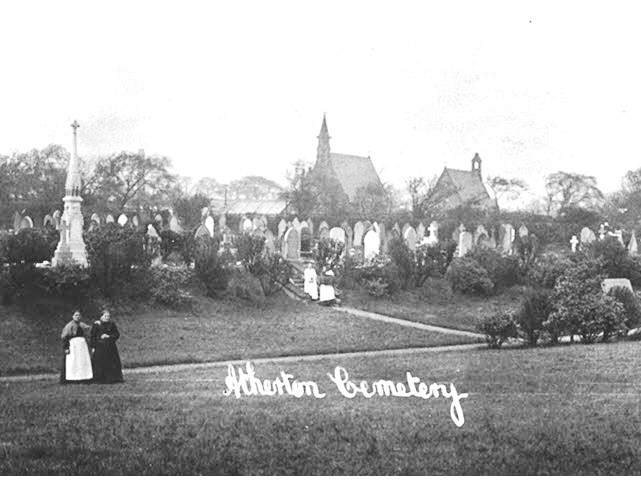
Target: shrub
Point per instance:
(613, 256)
(245, 286)
(497, 329)
(212, 269)
(403, 259)
(381, 269)
(432, 260)
(169, 286)
(532, 314)
(327, 254)
(467, 276)
(377, 287)
(503, 271)
(548, 268)
(630, 303)
(29, 246)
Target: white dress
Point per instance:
(78, 361)
(311, 287)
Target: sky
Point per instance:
(235, 88)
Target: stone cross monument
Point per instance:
(71, 248)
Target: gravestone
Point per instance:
(574, 241)
(480, 236)
(420, 233)
(619, 235)
(602, 230)
(323, 230)
(310, 224)
(296, 224)
(157, 218)
(337, 234)
(371, 244)
(17, 222)
(110, 219)
(410, 238)
(263, 223)
(209, 223)
(222, 221)
(95, 218)
(122, 219)
(153, 245)
(406, 226)
(204, 212)
(291, 245)
(491, 243)
(396, 231)
(135, 221)
(56, 219)
(506, 239)
(456, 235)
(359, 232)
(255, 224)
(587, 236)
(270, 246)
(26, 223)
(384, 244)
(608, 284)
(202, 231)
(282, 227)
(349, 236)
(48, 221)
(465, 243)
(174, 225)
(523, 231)
(633, 248)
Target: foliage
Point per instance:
(271, 270)
(564, 190)
(510, 189)
(169, 286)
(432, 260)
(212, 270)
(403, 259)
(497, 328)
(189, 208)
(377, 287)
(243, 285)
(548, 268)
(503, 271)
(533, 312)
(29, 246)
(253, 187)
(373, 201)
(381, 272)
(467, 276)
(580, 307)
(631, 305)
(181, 243)
(327, 254)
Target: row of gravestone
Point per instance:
(587, 237)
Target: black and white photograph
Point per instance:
(320, 238)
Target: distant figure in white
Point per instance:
(327, 294)
(76, 362)
(311, 286)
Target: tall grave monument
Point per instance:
(71, 247)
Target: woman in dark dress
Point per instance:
(106, 360)
(76, 363)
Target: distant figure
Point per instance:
(311, 287)
(326, 291)
(76, 363)
(105, 360)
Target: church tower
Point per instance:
(476, 164)
(71, 247)
(323, 152)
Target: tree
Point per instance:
(189, 209)
(254, 187)
(509, 189)
(372, 202)
(209, 187)
(427, 198)
(565, 190)
(301, 194)
(131, 181)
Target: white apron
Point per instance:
(78, 361)
(326, 293)
(311, 287)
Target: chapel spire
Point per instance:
(323, 152)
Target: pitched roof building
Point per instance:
(456, 188)
(352, 171)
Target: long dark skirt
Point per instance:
(106, 363)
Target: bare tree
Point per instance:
(565, 190)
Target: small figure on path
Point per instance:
(326, 291)
(76, 362)
(106, 360)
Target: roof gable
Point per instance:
(354, 172)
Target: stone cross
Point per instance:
(574, 242)
(602, 231)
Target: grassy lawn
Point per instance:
(565, 410)
(435, 303)
(216, 330)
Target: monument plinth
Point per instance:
(71, 247)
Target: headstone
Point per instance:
(209, 223)
(204, 212)
(202, 231)
(310, 224)
(371, 244)
(506, 239)
(246, 225)
(480, 235)
(383, 235)
(602, 230)
(110, 219)
(396, 231)
(410, 238)
(587, 236)
(338, 234)
(263, 221)
(349, 236)
(574, 241)
(95, 218)
(153, 245)
(608, 284)
(323, 230)
(174, 225)
(158, 218)
(122, 219)
(135, 221)
(619, 235)
(291, 244)
(270, 247)
(296, 224)
(633, 248)
(48, 221)
(465, 243)
(26, 223)
(17, 222)
(523, 231)
(255, 223)
(56, 219)
(359, 232)
(420, 232)
(404, 229)
(456, 234)
(491, 243)
(222, 221)
(282, 227)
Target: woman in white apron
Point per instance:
(76, 362)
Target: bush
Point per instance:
(613, 256)
(29, 246)
(497, 329)
(503, 271)
(169, 286)
(377, 287)
(327, 254)
(403, 259)
(432, 260)
(381, 269)
(532, 314)
(245, 286)
(212, 270)
(548, 268)
(467, 276)
(630, 303)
